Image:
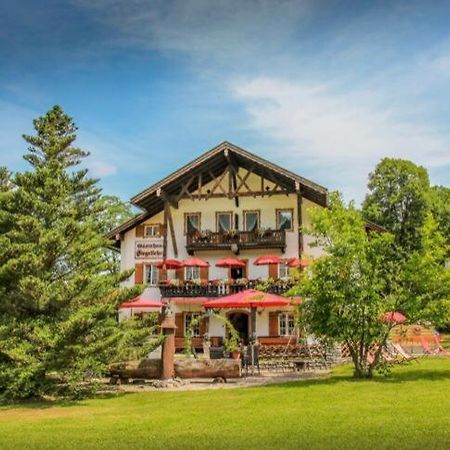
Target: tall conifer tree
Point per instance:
(58, 296)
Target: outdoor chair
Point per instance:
(250, 358)
(426, 347)
(216, 353)
(389, 357)
(441, 350)
(403, 353)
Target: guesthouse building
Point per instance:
(226, 222)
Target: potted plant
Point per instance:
(232, 341)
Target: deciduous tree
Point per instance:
(359, 279)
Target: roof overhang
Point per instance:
(212, 165)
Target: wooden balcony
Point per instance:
(208, 240)
(218, 289)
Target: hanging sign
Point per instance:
(149, 248)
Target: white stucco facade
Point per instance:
(266, 205)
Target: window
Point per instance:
(151, 275)
(283, 270)
(251, 220)
(286, 324)
(194, 328)
(192, 273)
(191, 223)
(224, 221)
(285, 219)
(151, 230)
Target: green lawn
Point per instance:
(410, 409)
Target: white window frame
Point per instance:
(188, 316)
(224, 213)
(151, 280)
(289, 324)
(197, 214)
(152, 226)
(258, 220)
(283, 270)
(191, 273)
(278, 215)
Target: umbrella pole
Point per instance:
(252, 322)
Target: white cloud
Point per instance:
(101, 169)
(219, 30)
(343, 135)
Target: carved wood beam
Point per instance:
(241, 194)
(243, 180)
(217, 184)
(299, 218)
(166, 207)
(185, 188)
(200, 184)
(172, 231)
(167, 198)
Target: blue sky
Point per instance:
(325, 88)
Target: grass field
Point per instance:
(410, 409)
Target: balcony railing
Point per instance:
(218, 289)
(208, 240)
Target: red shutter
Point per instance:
(179, 323)
(245, 269)
(203, 326)
(162, 229)
(204, 273)
(139, 273)
(180, 273)
(162, 275)
(273, 271)
(139, 231)
(273, 324)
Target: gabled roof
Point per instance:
(212, 164)
(215, 161)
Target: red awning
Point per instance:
(140, 302)
(393, 317)
(230, 262)
(298, 263)
(169, 264)
(195, 262)
(246, 299)
(267, 259)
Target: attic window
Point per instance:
(151, 230)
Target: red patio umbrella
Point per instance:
(298, 263)
(393, 317)
(249, 298)
(169, 264)
(267, 259)
(140, 302)
(195, 262)
(230, 262)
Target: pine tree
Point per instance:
(58, 296)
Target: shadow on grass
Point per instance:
(407, 373)
(44, 403)
(400, 374)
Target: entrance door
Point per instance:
(237, 273)
(239, 320)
